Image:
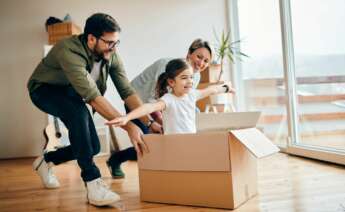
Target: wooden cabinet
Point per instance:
(60, 31)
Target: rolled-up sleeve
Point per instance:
(73, 65)
(119, 78)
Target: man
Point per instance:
(73, 74)
(199, 55)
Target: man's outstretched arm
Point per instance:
(105, 109)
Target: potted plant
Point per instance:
(224, 49)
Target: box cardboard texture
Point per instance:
(59, 31)
(216, 167)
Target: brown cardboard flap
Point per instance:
(208, 151)
(226, 121)
(255, 141)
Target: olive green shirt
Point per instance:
(70, 62)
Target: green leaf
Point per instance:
(243, 54)
(215, 34)
(230, 56)
(226, 49)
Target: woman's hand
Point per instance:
(118, 121)
(157, 116)
(155, 127)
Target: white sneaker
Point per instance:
(99, 194)
(44, 170)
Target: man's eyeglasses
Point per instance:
(111, 44)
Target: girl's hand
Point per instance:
(230, 88)
(118, 121)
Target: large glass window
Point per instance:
(262, 72)
(319, 49)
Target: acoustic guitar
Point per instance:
(52, 135)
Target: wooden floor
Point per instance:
(286, 183)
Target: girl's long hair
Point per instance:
(173, 68)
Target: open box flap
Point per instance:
(226, 121)
(256, 142)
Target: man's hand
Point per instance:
(135, 135)
(156, 128)
(103, 107)
(118, 121)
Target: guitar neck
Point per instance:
(57, 128)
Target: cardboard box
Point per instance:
(60, 31)
(216, 167)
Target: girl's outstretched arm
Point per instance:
(215, 89)
(143, 110)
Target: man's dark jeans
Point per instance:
(129, 153)
(65, 103)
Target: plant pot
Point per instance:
(220, 99)
(223, 99)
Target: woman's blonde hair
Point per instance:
(199, 43)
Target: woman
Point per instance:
(199, 56)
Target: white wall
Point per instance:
(150, 29)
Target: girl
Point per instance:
(199, 56)
(178, 105)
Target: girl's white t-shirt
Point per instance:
(179, 113)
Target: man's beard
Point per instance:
(99, 54)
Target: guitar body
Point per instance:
(52, 135)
